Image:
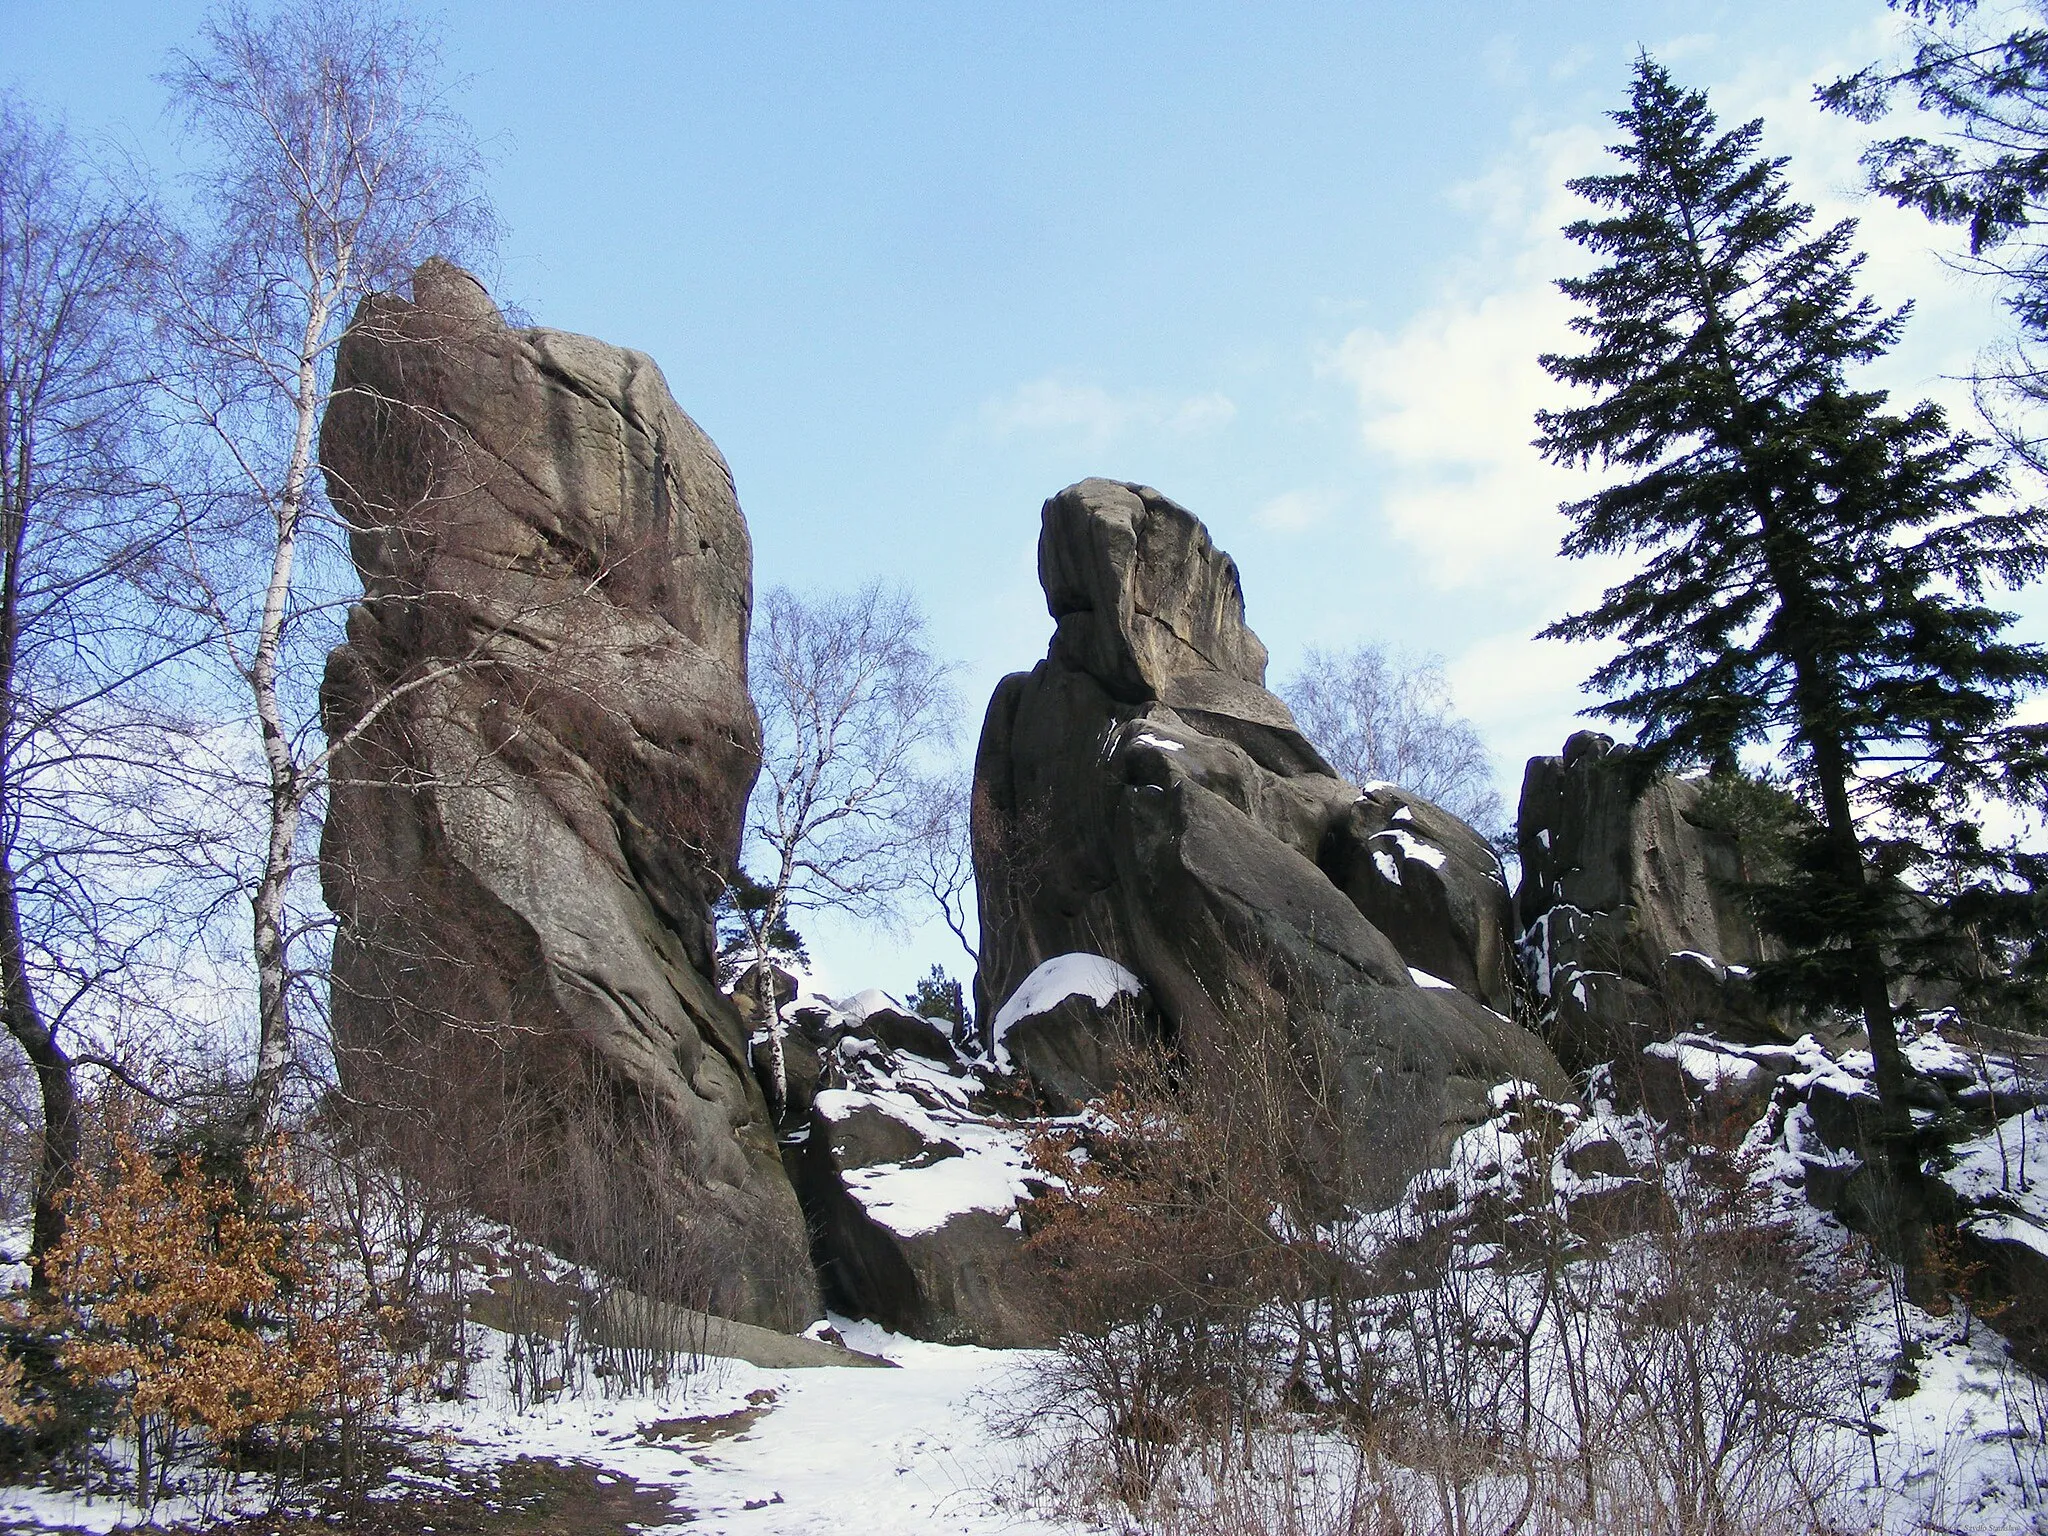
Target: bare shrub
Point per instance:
(1253, 1344)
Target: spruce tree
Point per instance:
(1814, 562)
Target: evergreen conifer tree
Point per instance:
(1814, 562)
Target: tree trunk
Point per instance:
(287, 784)
(764, 991)
(1898, 1156)
(54, 1077)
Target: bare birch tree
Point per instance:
(942, 856)
(1378, 714)
(851, 698)
(334, 166)
(74, 527)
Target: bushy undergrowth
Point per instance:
(197, 1310)
(215, 1313)
(1518, 1343)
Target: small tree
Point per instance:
(939, 996)
(850, 697)
(210, 1302)
(942, 856)
(1380, 715)
(1814, 561)
(335, 168)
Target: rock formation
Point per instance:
(545, 747)
(1627, 899)
(1141, 796)
(912, 1168)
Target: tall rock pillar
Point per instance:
(545, 746)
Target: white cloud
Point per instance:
(1296, 511)
(1446, 403)
(1099, 416)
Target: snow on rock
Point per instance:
(1704, 1064)
(1095, 977)
(1424, 979)
(1411, 847)
(873, 1000)
(987, 1175)
(1504, 1096)
(966, 1164)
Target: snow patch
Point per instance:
(1707, 1067)
(1079, 974)
(988, 1175)
(1411, 847)
(1424, 979)
(873, 1000)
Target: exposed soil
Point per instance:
(528, 1497)
(705, 1428)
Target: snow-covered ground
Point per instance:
(835, 1450)
(735, 1448)
(738, 1448)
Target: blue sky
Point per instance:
(917, 266)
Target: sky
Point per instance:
(915, 267)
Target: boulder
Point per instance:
(1142, 797)
(749, 986)
(915, 1216)
(901, 1030)
(544, 745)
(1067, 1027)
(1431, 884)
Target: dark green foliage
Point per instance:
(1985, 171)
(738, 913)
(937, 996)
(70, 1418)
(1814, 562)
(1760, 816)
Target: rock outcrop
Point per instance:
(913, 1169)
(545, 747)
(1633, 927)
(1141, 796)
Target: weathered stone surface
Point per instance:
(1069, 1052)
(1432, 885)
(901, 1031)
(893, 1237)
(1629, 908)
(519, 844)
(1141, 796)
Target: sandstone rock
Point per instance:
(1141, 796)
(915, 1220)
(1431, 884)
(521, 847)
(1067, 1027)
(747, 989)
(1628, 906)
(903, 1031)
